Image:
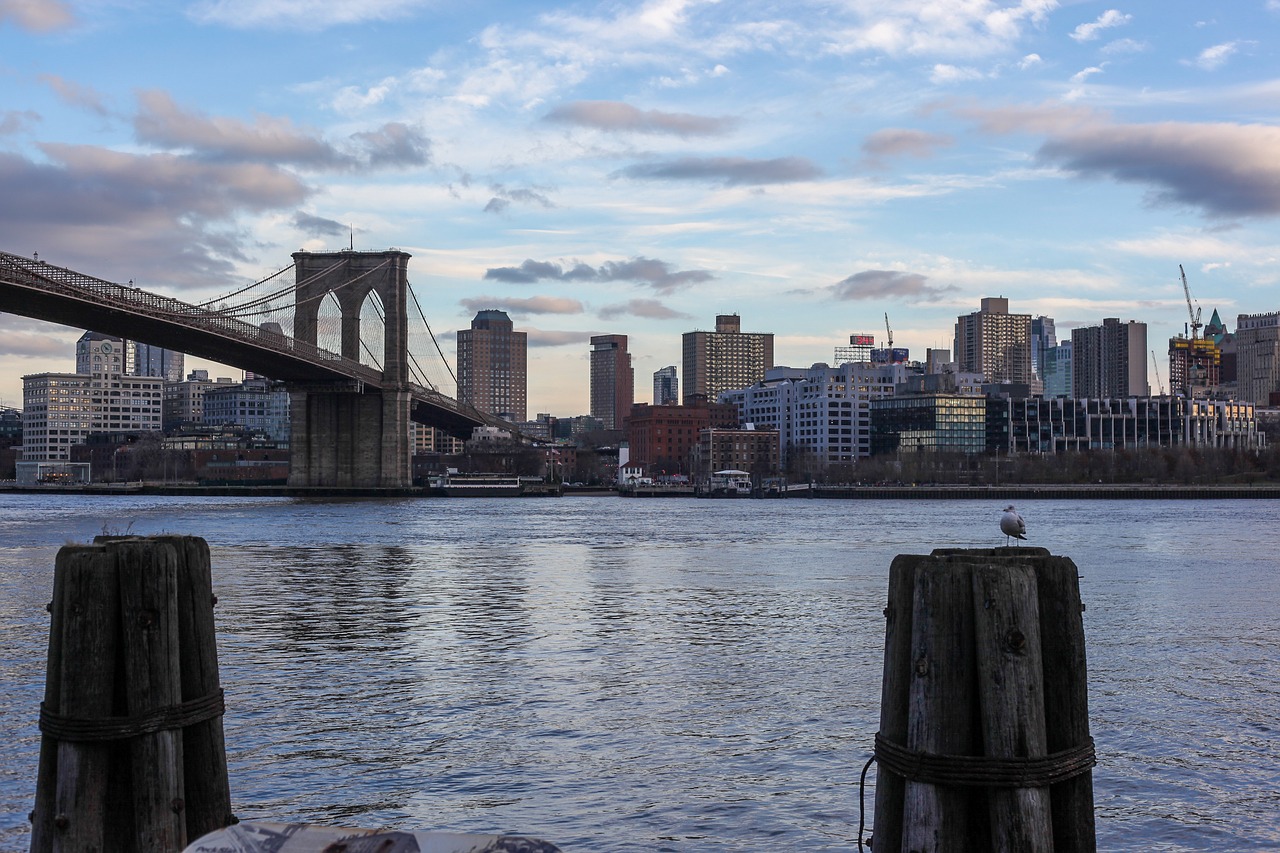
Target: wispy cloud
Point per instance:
(16, 121)
(550, 338)
(1107, 20)
(730, 171)
(39, 16)
(617, 117)
(888, 284)
(648, 271)
(1213, 58)
(76, 94)
(318, 226)
(650, 309)
(899, 142)
(532, 305)
(503, 197)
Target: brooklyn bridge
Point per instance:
(350, 410)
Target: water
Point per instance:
(617, 675)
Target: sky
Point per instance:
(640, 167)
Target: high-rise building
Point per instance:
(1257, 344)
(612, 380)
(995, 343)
(157, 361)
(666, 386)
(1057, 371)
(1195, 366)
(492, 366)
(1044, 337)
(1109, 360)
(858, 350)
(724, 360)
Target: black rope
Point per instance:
(862, 801)
(122, 728)
(983, 770)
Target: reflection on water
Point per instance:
(664, 675)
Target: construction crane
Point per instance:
(890, 331)
(1156, 367)
(1194, 313)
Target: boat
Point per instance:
(729, 483)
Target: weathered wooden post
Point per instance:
(984, 734)
(132, 674)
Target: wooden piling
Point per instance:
(984, 738)
(132, 675)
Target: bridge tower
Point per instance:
(351, 436)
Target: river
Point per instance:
(683, 675)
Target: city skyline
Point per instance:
(640, 168)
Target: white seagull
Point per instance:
(1011, 524)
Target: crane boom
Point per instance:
(1193, 313)
(1156, 367)
(890, 331)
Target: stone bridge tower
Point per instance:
(344, 436)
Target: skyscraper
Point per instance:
(492, 366)
(1044, 337)
(157, 361)
(724, 360)
(1109, 360)
(995, 343)
(666, 387)
(612, 380)
(1257, 357)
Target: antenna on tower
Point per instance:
(352, 237)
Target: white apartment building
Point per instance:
(60, 410)
(823, 410)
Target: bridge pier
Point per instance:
(349, 438)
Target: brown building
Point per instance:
(612, 380)
(995, 343)
(662, 438)
(755, 451)
(492, 366)
(1195, 364)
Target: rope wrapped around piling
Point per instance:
(982, 770)
(106, 729)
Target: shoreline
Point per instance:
(1095, 491)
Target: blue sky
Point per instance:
(637, 168)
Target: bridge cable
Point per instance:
(243, 289)
(418, 305)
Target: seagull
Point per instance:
(1011, 524)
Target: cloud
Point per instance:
(1220, 168)
(13, 121)
(309, 15)
(394, 145)
(943, 74)
(899, 142)
(33, 345)
(888, 284)
(161, 122)
(533, 305)
(317, 226)
(1123, 46)
(650, 309)
(1031, 60)
(151, 217)
(547, 338)
(962, 29)
(1213, 58)
(1108, 19)
(1223, 169)
(1085, 73)
(732, 171)
(40, 16)
(649, 271)
(617, 116)
(75, 94)
(503, 197)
